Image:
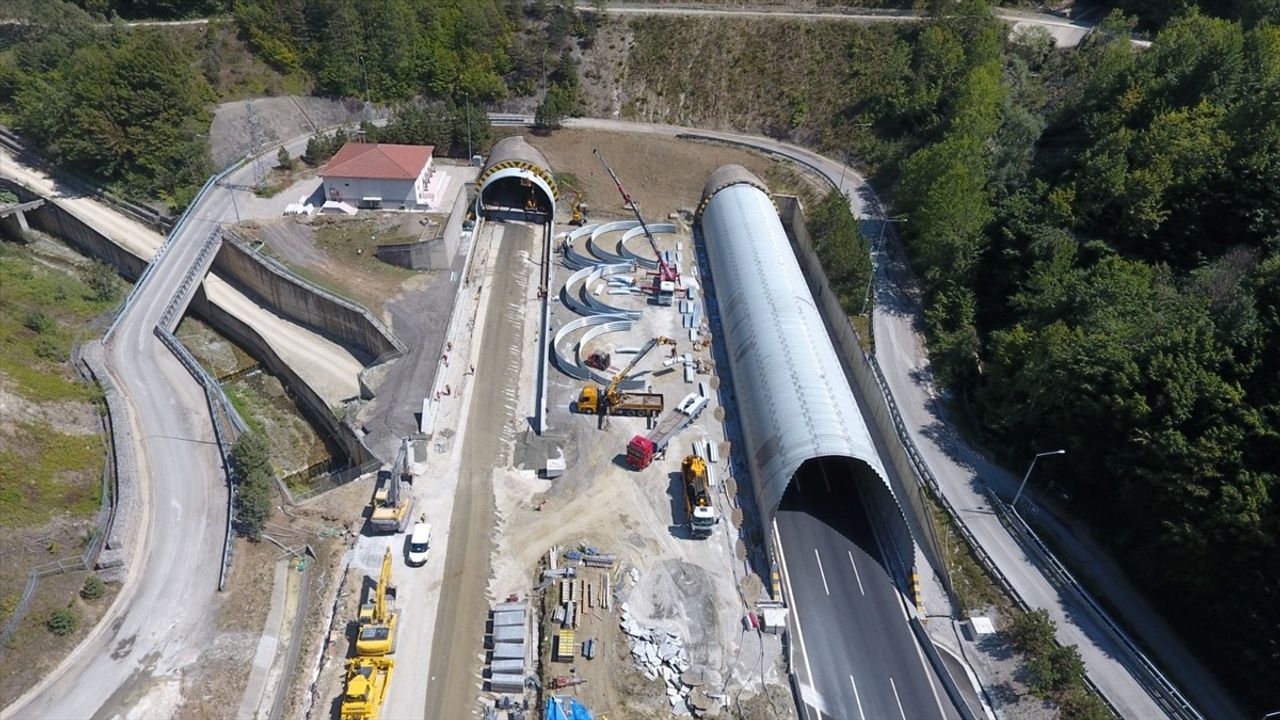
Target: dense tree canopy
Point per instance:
(1099, 235)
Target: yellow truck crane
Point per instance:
(367, 683)
(611, 401)
(697, 497)
(377, 634)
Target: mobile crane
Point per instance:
(610, 401)
(664, 283)
(378, 616)
(697, 497)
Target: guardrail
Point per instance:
(1164, 691)
(1147, 674)
(214, 396)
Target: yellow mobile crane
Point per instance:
(367, 683)
(610, 401)
(377, 634)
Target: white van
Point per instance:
(419, 544)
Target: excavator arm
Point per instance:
(611, 392)
(380, 594)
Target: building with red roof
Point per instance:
(379, 175)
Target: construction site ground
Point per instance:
(663, 175)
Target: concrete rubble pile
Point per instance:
(661, 654)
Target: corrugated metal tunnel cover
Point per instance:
(514, 159)
(794, 402)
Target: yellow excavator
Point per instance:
(378, 616)
(579, 210)
(367, 683)
(611, 401)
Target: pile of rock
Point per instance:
(661, 654)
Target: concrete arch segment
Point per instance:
(572, 367)
(637, 231)
(795, 405)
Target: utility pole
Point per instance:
(467, 98)
(364, 75)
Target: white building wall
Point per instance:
(395, 194)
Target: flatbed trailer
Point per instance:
(643, 448)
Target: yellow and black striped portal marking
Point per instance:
(538, 170)
(775, 579)
(915, 591)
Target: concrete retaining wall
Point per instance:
(312, 405)
(271, 284)
(128, 503)
(437, 253)
(860, 375)
(54, 220)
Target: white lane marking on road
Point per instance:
(822, 572)
(856, 574)
(786, 579)
(857, 698)
(894, 685)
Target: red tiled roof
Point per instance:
(378, 161)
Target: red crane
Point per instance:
(667, 273)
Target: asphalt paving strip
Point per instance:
(460, 623)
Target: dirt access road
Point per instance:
(455, 666)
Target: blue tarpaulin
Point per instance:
(566, 708)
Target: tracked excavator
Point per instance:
(377, 634)
(392, 498)
(611, 401)
(367, 681)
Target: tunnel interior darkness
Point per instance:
(843, 493)
(515, 193)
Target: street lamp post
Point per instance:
(467, 98)
(866, 296)
(1028, 475)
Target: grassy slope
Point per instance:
(43, 471)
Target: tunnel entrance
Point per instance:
(843, 495)
(516, 196)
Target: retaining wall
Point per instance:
(272, 285)
(312, 405)
(54, 220)
(437, 253)
(860, 375)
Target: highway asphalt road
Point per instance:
(855, 650)
(460, 623)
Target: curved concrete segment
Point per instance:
(637, 231)
(573, 368)
(577, 296)
(516, 173)
(593, 241)
(795, 403)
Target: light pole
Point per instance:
(884, 221)
(467, 98)
(364, 74)
(1028, 475)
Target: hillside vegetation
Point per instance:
(1098, 234)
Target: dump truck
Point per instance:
(643, 448)
(378, 616)
(367, 681)
(392, 498)
(697, 497)
(612, 401)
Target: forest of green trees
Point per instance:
(1097, 230)
(1098, 233)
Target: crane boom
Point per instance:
(644, 350)
(634, 208)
